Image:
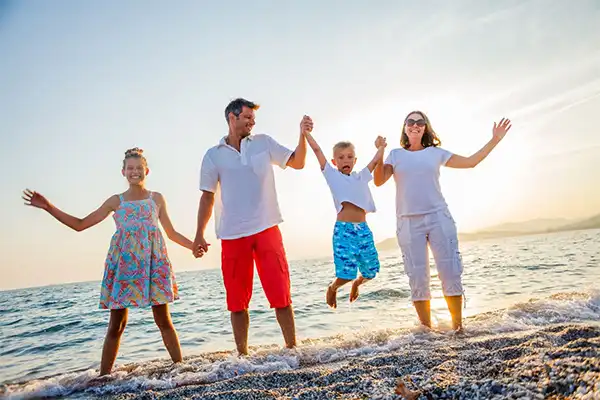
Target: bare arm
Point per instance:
(499, 131)
(167, 225)
(81, 224)
(316, 149)
(298, 157)
(382, 173)
(207, 201)
(377, 159)
(456, 161)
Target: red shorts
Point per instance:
(237, 263)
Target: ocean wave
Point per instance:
(53, 328)
(211, 368)
(387, 293)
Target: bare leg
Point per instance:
(240, 322)
(162, 318)
(424, 312)
(354, 291)
(332, 291)
(285, 317)
(116, 327)
(455, 308)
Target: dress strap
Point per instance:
(121, 199)
(150, 195)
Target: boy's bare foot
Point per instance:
(331, 297)
(405, 392)
(354, 291)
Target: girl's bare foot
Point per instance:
(354, 291)
(331, 297)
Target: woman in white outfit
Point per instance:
(422, 214)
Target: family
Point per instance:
(237, 181)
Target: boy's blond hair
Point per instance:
(342, 146)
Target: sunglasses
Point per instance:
(419, 122)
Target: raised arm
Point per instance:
(381, 171)
(165, 221)
(380, 143)
(316, 149)
(498, 133)
(298, 157)
(34, 199)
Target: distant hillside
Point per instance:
(535, 225)
(588, 223)
(515, 229)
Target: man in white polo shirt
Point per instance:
(237, 178)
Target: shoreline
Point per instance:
(557, 361)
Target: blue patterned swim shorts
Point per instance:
(353, 250)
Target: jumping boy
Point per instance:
(353, 244)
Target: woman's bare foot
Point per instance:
(354, 291)
(331, 297)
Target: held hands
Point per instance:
(380, 142)
(501, 128)
(34, 199)
(306, 125)
(200, 247)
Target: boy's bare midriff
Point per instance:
(351, 213)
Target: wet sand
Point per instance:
(555, 362)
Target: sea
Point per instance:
(52, 336)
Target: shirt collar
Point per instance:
(222, 142)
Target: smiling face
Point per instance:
(344, 157)
(417, 132)
(242, 125)
(414, 127)
(135, 170)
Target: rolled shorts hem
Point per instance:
(346, 277)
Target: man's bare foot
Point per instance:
(331, 297)
(354, 291)
(405, 392)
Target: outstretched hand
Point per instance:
(306, 125)
(380, 142)
(34, 199)
(501, 128)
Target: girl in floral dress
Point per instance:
(137, 271)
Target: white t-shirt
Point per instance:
(417, 180)
(244, 185)
(353, 188)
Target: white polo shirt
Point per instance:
(244, 185)
(353, 188)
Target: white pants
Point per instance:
(439, 230)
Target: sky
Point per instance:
(80, 82)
